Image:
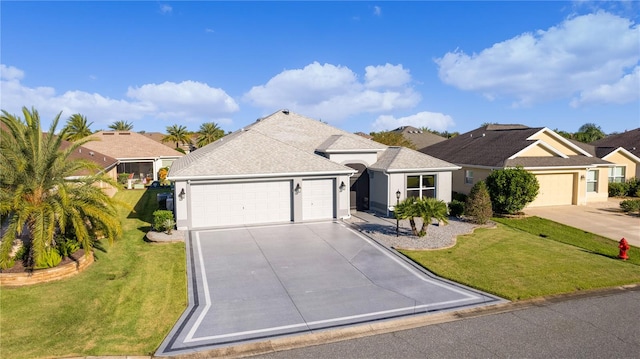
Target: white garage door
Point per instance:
(555, 190)
(229, 204)
(317, 199)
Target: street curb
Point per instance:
(365, 330)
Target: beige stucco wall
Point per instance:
(622, 160)
(537, 151)
(457, 182)
(602, 192)
(557, 144)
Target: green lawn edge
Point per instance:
(123, 304)
(512, 263)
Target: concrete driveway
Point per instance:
(603, 218)
(258, 283)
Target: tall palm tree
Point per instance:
(77, 128)
(208, 132)
(40, 194)
(429, 209)
(121, 126)
(589, 132)
(177, 134)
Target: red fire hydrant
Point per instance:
(624, 247)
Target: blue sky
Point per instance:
(360, 66)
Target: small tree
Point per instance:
(478, 205)
(429, 209)
(511, 189)
(407, 210)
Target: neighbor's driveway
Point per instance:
(258, 283)
(603, 218)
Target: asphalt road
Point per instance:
(604, 325)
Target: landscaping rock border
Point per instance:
(46, 275)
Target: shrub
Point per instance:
(618, 189)
(122, 178)
(459, 197)
(163, 221)
(478, 206)
(633, 187)
(630, 205)
(429, 209)
(48, 259)
(67, 246)
(456, 208)
(511, 189)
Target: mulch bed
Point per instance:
(19, 267)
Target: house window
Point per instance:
(468, 177)
(616, 174)
(592, 181)
(421, 186)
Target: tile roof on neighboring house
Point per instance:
(158, 136)
(103, 161)
(250, 153)
(629, 140)
(126, 144)
(419, 138)
(402, 159)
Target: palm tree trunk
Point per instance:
(414, 230)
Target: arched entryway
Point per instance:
(359, 187)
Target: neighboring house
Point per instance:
(420, 139)
(288, 168)
(567, 173)
(623, 149)
(137, 154)
(158, 136)
(107, 165)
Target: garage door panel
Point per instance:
(229, 204)
(555, 190)
(318, 199)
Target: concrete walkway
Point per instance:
(603, 218)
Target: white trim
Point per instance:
(260, 175)
(541, 143)
(421, 170)
(561, 139)
(625, 152)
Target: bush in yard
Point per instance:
(631, 205)
(633, 187)
(163, 221)
(456, 208)
(122, 178)
(511, 189)
(478, 206)
(429, 209)
(618, 189)
(459, 196)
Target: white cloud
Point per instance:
(377, 10)
(185, 101)
(433, 120)
(166, 9)
(626, 90)
(579, 55)
(334, 92)
(387, 75)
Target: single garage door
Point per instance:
(230, 204)
(317, 199)
(555, 190)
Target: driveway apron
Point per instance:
(257, 283)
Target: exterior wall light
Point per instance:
(298, 189)
(342, 186)
(182, 194)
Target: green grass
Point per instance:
(517, 265)
(570, 235)
(123, 304)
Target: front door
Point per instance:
(359, 188)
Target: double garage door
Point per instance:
(247, 203)
(555, 190)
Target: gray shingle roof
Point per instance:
(629, 140)
(251, 153)
(402, 159)
(572, 161)
(419, 138)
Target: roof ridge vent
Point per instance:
(285, 111)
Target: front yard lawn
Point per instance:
(123, 304)
(515, 264)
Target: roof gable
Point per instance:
(126, 144)
(560, 143)
(629, 140)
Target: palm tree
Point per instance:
(407, 210)
(41, 195)
(429, 209)
(208, 132)
(177, 134)
(589, 132)
(121, 126)
(391, 138)
(77, 128)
